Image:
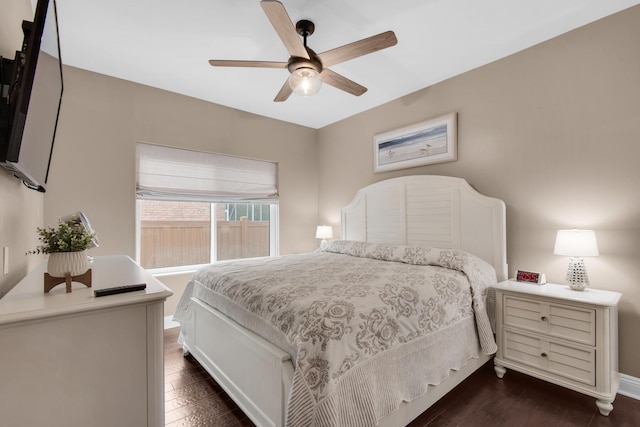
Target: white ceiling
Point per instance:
(166, 44)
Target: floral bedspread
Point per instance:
(357, 316)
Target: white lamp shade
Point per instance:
(324, 232)
(576, 243)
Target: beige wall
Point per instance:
(554, 131)
(93, 164)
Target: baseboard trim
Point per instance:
(629, 386)
(170, 323)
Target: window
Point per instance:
(196, 208)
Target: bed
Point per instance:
(373, 328)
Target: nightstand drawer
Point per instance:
(556, 357)
(557, 320)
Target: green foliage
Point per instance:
(65, 238)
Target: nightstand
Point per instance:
(566, 337)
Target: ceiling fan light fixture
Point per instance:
(308, 69)
(305, 81)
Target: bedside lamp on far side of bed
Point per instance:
(576, 244)
(324, 232)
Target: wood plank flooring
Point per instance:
(192, 398)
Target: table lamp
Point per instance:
(324, 232)
(576, 244)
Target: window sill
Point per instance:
(181, 269)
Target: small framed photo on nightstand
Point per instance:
(531, 277)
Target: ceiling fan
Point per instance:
(309, 69)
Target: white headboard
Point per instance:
(429, 211)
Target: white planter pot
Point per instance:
(74, 263)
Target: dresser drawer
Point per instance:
(555, 357)
(556, 320)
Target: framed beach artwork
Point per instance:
(424, 143)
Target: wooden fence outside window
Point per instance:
(175, 243)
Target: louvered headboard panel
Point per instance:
(429, 211)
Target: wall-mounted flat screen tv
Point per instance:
(31, 97)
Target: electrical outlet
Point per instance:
(5, 260)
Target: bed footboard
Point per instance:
(256, 374)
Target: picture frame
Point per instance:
(429, 142)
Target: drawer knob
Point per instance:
(543, 318)
(543, 354)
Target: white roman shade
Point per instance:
(166, 173)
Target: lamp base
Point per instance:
(577, 278)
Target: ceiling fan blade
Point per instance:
(284, 93)
(281, 22)
(258, 64)
(338, 81)
(359, 48)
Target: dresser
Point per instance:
(73, 359)
(566, 337)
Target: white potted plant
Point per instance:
(67, 247)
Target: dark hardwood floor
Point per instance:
(192, 398)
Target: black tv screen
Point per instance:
(33, 90)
